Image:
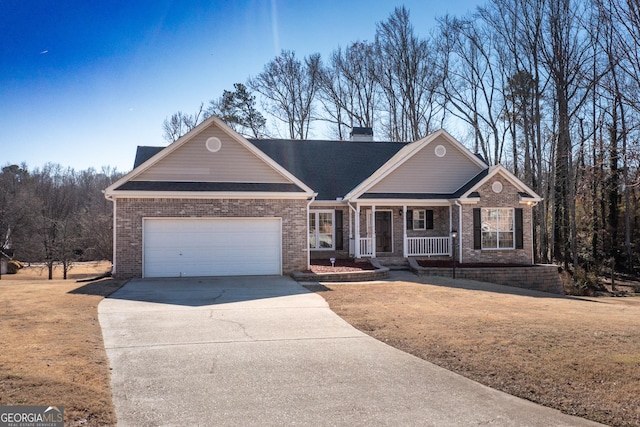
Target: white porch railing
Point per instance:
(427, 246)
(366, 246)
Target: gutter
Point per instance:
(309, 201)
(113, 254)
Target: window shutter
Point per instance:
(429, 219)
(409, 219)
(339, 231)
(519, 229)
(477, 229)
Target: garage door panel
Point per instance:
(212, 247)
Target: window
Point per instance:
(420, 219)
(321, 230)
(497, 228)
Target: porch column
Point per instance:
(451, 228)
(351, 238)
(357, 233)
(460, 232)
(404, 232)
(373, 231)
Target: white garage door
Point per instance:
(211, 247)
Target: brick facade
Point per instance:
(131, 211)
(508, 197)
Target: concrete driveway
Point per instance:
(265, 351)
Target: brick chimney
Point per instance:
(361, 134)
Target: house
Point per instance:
(216, 203)
(5, 255)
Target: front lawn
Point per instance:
(579, 355)
(52, 349)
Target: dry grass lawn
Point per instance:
(579, 355)
(52, 349)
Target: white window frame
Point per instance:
(498, 232)
(316, 213)
(416, 219)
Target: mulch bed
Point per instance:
(341, 266)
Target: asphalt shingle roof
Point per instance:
(144, 153)
(331, 168)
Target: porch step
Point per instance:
(393, 263)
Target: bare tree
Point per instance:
(471, 82)
(408, 76)
(56, 215)
(16, 206)
(181, 123)
(348, 88)
(517, 28)
(565, 55)
(289, 87)
(95, 213)
(58, 200)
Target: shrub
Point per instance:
(587, 282)
(581, 282)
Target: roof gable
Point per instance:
(525, 193)
(210, 153)
(192, 161)
(437, 164)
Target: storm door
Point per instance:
(384, 236)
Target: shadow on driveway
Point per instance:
(202, 291)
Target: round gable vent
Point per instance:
(496, 187)
(441, 151)
(213, 144)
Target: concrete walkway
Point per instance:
(264, 351)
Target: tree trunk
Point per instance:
(562, 178)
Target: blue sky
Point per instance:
(82, 83)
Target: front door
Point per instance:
(383, 232)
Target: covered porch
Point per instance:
(411, 229)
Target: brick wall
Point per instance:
(130, 212)
(508, 197)
(544, 278)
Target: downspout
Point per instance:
(457, 203)
(373, 231)
(311, 200)
(404, 232)
(533, 255)
(352, 232)
(113, 250)
(451, 224)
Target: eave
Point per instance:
(204, 195)
(401, 202)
